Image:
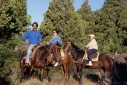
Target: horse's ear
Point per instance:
(115, 55)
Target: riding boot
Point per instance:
(90, 63)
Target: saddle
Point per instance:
(33, 51)
(94, 56)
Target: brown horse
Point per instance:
(48, 54)
(65, 61)
(104, 63)
(39, 59)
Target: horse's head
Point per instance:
(55, 52)
(67, 46)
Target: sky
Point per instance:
(36, 8)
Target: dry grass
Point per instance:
(56, 78)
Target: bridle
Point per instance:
(68, 47)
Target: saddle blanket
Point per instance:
(33, 51)
(93, 59)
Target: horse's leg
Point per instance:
(22, 74)
(65, 74)
(69, 70)
(41, 73)
(30, 71)
(80, 75)
(22, 70)
(47, 72)
(102, 72)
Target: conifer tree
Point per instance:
(13, 19)
(88, 16)
(13, 16)
(111, 25)
(61, 15)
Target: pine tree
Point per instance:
(61, 15)
(88, 16)
(13, 17)
(110, 29)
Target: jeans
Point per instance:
(90, 52)
(29, 50)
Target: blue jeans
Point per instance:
(90, 52)
(29, 50)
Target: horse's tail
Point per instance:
(69, 70)
(114, 74)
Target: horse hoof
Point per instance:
(61, 83)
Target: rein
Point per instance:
(47, 49)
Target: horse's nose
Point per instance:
(54, 58)
(57, 59)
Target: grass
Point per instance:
(57, 77)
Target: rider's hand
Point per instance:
(26, 41)
(47, 42)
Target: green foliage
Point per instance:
(13, 17)
(110, 31)
(61, 16)
(88, 16)
(13, 20)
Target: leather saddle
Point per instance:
(94, 56)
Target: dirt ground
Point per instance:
(90, 79)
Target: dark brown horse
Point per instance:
(119, 71)
(104, 63)
(39, 59)
(46, 54)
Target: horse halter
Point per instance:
(54, 53)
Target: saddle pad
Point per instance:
(93, 59)
(32, 53)
(62, 54)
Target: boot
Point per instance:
(90, 63)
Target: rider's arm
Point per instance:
(40, 38)
(59, 40)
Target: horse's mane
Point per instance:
(77, 48)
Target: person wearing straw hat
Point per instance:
(92, 46)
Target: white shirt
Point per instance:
(92, 45)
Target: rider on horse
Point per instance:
(92, 47)
(55, 39)
(32, 37)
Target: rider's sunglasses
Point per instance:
(54, 32)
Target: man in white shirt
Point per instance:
(92, 47)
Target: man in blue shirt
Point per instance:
(32, 37)
(55, 39)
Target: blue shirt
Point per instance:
(33, 37)
(55, 40)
